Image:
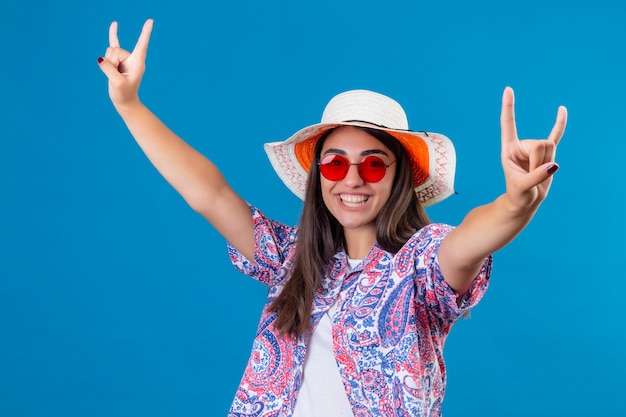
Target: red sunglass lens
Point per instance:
(334, 167)
(372, 169)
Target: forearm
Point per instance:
(195, 177)
(482, 232)
(488, 228)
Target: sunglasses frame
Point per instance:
(363, 170)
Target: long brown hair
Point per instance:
(320, 235)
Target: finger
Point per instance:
(535, 156)
(507, 117)
(116, 56)
(538, 152)
(559, 126)
(114, 42)
(142, 43)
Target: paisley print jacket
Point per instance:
(393, 314)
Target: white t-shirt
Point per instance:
(322, 393)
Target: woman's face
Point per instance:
(354, 202)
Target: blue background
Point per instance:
(117, 299)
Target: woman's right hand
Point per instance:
(125, 69)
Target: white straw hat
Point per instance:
(432, 155)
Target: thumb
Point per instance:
(111, 71)
(539, 175)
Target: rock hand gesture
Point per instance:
(528, 164)
(125, 69)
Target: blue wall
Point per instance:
(117, 299)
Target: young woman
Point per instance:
(363, 293)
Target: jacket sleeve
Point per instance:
(274, 245)
(432, 289)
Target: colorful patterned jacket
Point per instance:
(393, 314)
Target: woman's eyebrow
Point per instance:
(374, 152)
(364, 153)
(337, 151)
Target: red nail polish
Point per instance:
(100, 60)
(552, 169)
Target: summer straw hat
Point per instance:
(432, 155)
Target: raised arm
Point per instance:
(196, 178)
(528, 168)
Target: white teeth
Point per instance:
(353, 200)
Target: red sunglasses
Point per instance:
(371, 168)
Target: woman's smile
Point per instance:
(352, 200)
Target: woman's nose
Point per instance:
(353, 178)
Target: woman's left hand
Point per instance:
(528, 164)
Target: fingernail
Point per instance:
(552, 169)
(100, 60)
